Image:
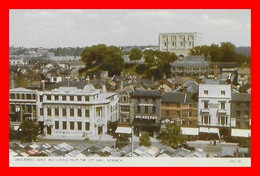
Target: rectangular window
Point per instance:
(64, 125)
(190, 114)
(23, 96)
(64, 112)
(71, 98)
(206, 104)
(41, 98)
(79, 98)
(86, 126)
(222, 105)
(206, 92)
(17, 96)
(79, 113)
(49, 112)
(71, 112)
(79, 126)
(138, 109)
(34, 96)
(223, 93)
(86, 98)
(71, 125)
(12, 96)
(28, 96)
(48, 97)
(56, 112)
(41, 111)
(56, 97)
(86, 113)
(56, 125)
(98, 111)
(64, 98)
(154, 109)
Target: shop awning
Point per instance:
(209, 130)
(240, 133)
(123, 130)
(190, 131)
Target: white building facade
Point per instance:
(179, 43)
(68, 112)
(214, 105)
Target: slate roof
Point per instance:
(191, 61)
(79, 85)
(241, 97)
(224, 64)
(146, 93)
(179, 97)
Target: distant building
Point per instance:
(244, 75)
(145, 111)
(180, 108)
(179, 43)
(190, 65)
(240, 110)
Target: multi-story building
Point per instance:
(180, 108)
(22, 105)
(214, 105)
(68, 111)
(240, 110)
(145, 111)
(179, 43)
(190, 65)
(124, 106)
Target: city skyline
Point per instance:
(79, 28)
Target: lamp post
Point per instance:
(132, 141)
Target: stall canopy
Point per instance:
(123, 130)
(190, 131)
(240, 133)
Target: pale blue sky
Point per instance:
(70, 28)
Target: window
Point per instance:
(12, 96)
(86, 126)
(64, 98)
(29, 96)
(206, 119)
(190, 105)
(222, 120)
(190, 114)
(247, 113)
(23, 96)
(79, 98)
(56, 125)
(48, 97)
(98, 111)
(222, 105)
(71, 125)
(56, 112)
(206, 104)
(223, 93)
(206, 92)
(138, 109)
(49, 112)
(56, 97)
(86, 98)
(41, 98)
(154, 109)
(64, 112)
(71, 98)
(64, 125)
(79, 113)
(41, 111)
(17, 96)
(71, 112)
(86, 113)
(146, 109)
(79, 126)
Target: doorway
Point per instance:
(49, 130)
(100, 130)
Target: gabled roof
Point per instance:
(179, 97)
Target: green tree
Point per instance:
(172, 136)
(29, 131)
(135, 54)
(149, 57)
(144, 139)
(102, 57)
